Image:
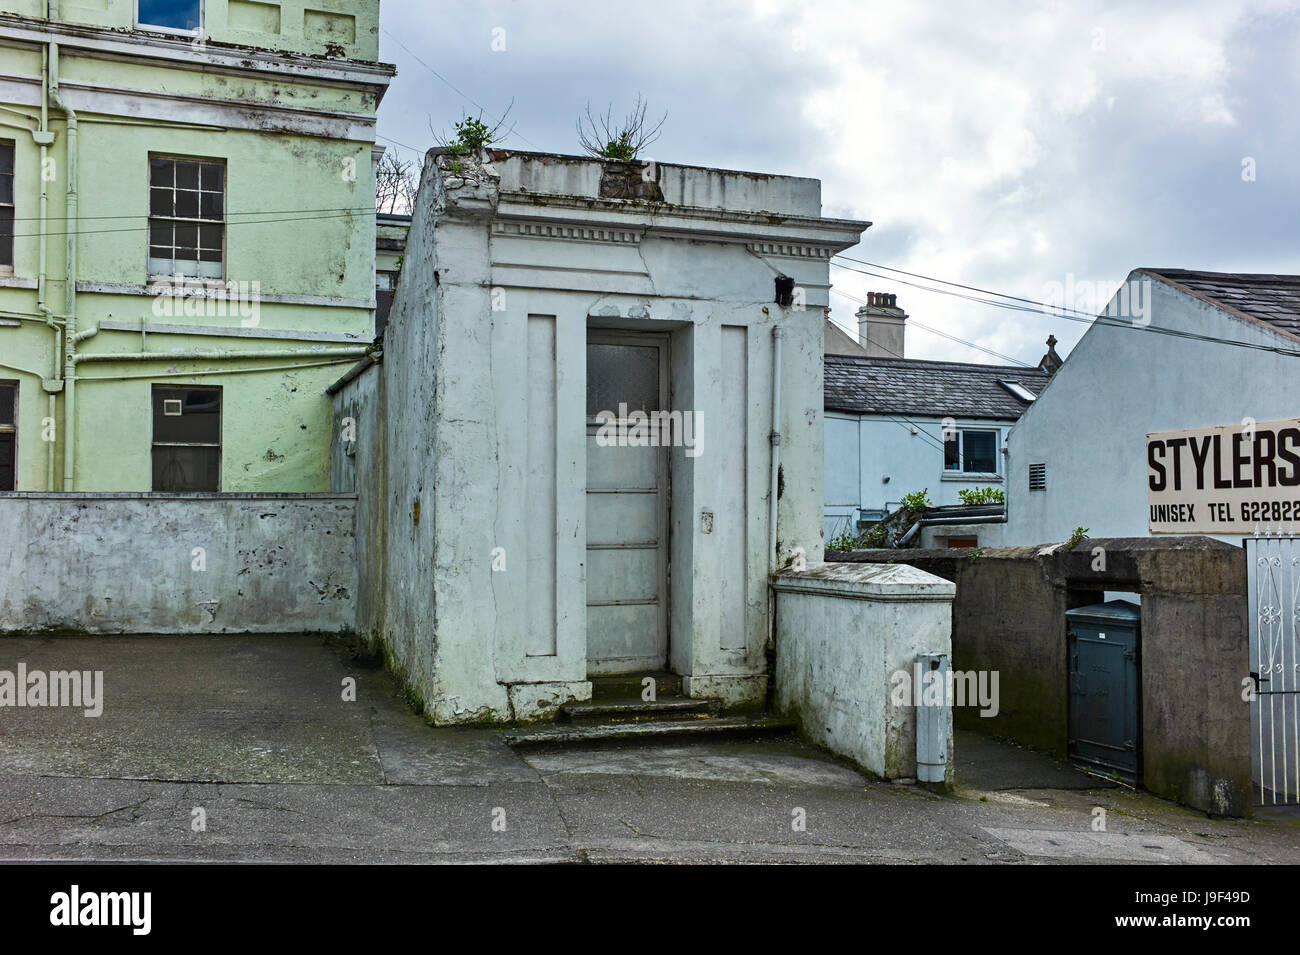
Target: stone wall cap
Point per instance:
(1112, 545)
(866, 582)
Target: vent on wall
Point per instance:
(1038, 477)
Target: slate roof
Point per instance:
(936, 389)
(1274, 299)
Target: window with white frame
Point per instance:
(971, 451)
(187, 217)
(180, 16)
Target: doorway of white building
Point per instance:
(627, 503)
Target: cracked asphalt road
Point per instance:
(251, 735)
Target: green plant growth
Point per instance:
(917, 501)
(412, 699)
(620, 148)
(843, 542)
(1079, 534)
(873, 537)
(472, 136)
(606, 138)
(982, 495)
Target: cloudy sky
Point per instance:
(1011, 146)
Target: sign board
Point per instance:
(1234, 479)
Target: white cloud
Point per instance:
(1004, 145)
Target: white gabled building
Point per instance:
(1078, 456)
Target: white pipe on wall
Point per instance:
(776, 444)
(358, 351)
(70, 290)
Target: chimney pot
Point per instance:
(882, 326)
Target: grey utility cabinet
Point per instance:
(1105, 673)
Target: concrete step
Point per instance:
(628, 685)
(600, 732)
(637, 710)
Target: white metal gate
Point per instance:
(1274, 576)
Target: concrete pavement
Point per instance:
(252, 737)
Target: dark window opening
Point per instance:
(980, 449)
(972, 452)
(385, 289)
(6, 202)
(8, 435)
(952, 452)
(170, 14)
(186, 439)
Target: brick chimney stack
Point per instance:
(882, 326)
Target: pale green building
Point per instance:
(187, 238)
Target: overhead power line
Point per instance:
(1054, 311)
(450, 85)
(969, 288)
(942, 334)
(903, 421)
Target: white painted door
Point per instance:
(627, 505)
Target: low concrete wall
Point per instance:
(842, 632)
(177, 563)
(1009, 616)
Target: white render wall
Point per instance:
(1090, 423)
(485, 360)
(842, 632)
(861, 450)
